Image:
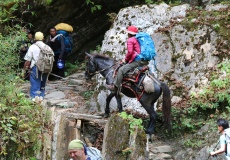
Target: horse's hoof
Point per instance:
(106, 115)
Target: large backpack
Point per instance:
(147, 46)
(227, 137)
(45, 59)
(68, 40)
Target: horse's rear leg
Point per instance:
(147, 101)
(107, 109)
(152, 122)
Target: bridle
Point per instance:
(99, 71)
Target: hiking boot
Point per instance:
(111, 87)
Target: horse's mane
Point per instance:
(102, 56)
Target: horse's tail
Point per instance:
(166, 106)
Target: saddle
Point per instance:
(133, 80)
(132, 75)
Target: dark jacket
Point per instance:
(57, 45)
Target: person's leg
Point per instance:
(35, 83)
(126, 68)
(43, 84)
(119, 76)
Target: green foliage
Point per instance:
(88, 94)
(47, 2)
(21, 121)
(194, 143)
(9, 52)
(217, 93)
(133, 122)
(71, 68)
(97, 49)
(148, 1)
(216, 19)
(94, 7)
(207, 104)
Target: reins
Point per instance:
(99, 71)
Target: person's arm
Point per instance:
(28, 57)
(222, 146)
(62, 47)
(130, 47)
(219, 151)
(26, 65)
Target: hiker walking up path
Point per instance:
(35, 61)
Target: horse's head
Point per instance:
(90, 68)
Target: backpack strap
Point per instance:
(53, 39)
(227, 138)
(36, 44)
(39, 46)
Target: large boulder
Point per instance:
(119, 143)
(185, 56)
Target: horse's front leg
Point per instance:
(107, 109)
(119, 104)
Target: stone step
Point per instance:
(80, 75)
(76, 81)
(66, 104)
(162, 149)
(80, 89)
(54, 102)
(64, 88)
(55, 95)
(160, 156)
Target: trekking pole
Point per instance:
(63, 78)
(214, 150)
(58, 76)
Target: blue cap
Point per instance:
(60, 64)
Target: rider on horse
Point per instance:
(133, 48)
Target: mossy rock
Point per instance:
(119, 144)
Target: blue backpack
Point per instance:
(68, 40)
(147, 47)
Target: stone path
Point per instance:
(67, 95)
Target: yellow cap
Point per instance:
(39, 36)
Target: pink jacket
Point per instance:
(133, 49)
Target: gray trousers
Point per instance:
(126, 68)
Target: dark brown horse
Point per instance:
(104, 65)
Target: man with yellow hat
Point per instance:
(37, 79)
(77, 151)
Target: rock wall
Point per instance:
(89, 28)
